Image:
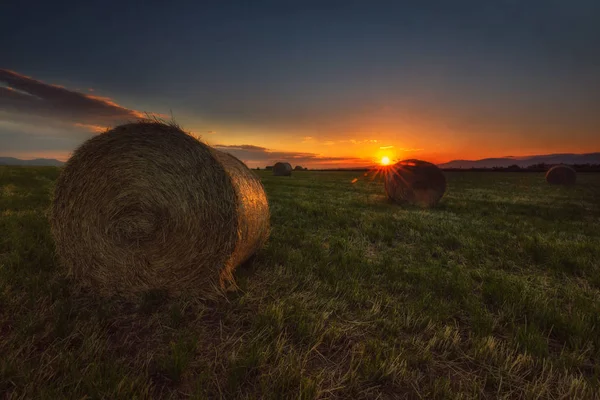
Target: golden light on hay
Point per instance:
(385, 160)
(146, 206)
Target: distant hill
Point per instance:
(35, 162)
(500, 162)
(523, 162)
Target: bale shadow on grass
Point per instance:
(247, 269)
(154, 336)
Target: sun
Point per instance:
(385, 160)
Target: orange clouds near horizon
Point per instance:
(91, 128)
(42, 117)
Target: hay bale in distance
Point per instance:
(298, 168)
(561, 175)
(415, 182)
(282, 169)
(147, 206)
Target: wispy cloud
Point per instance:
(25, 95)
(248, 147)
(91, 128)
(355, 141)
(43, 118)
(386, 147)
(258, 156)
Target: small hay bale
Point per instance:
(282, 169)
(561, 175)
(298, 168)
(415, 182)
(146, 206)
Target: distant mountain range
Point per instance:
(36, 162)
(523, 162)
(502, 162)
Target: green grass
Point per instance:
(494, 294)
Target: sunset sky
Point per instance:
(318, 83)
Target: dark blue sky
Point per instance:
(452, 78)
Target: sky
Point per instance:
(318, 83)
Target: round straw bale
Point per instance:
(561, 175)
(415, 182)
(298, 168)
(147, 206)
(282, 169)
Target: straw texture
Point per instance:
(147, 206)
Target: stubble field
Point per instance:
(493, 294)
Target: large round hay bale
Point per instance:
(147, 206)
(561, 175)
(282, 169)
(415, 182)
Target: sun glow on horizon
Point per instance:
(385, 160)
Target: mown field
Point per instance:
(494, 294)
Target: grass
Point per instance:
(494, 294)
